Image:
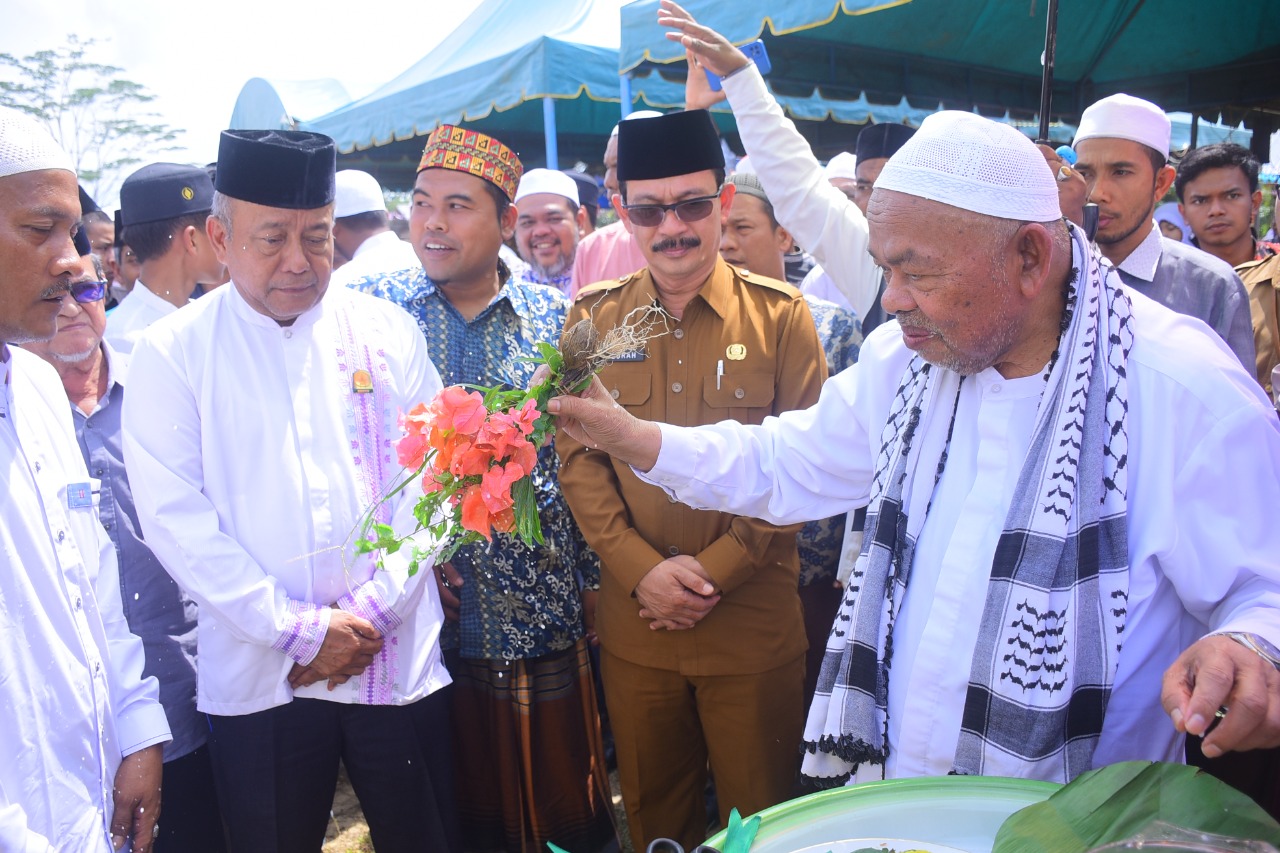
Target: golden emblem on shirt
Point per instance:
(362, 382)
(735, 352)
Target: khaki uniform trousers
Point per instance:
(667, 727)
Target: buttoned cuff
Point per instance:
(305, 627)
(726, 563)
(142, 726)
(366, 602)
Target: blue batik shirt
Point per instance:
(819, 542)
(517, 602)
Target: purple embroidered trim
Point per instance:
(370, 425)
(379, 680)
(368, 416)
(303, 635)
(367, 602)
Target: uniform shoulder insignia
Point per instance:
(603, 286)
(766, 281)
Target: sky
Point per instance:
(196, 62)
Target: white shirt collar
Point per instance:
(1143, 260)
(117, 366)
(147, 298)
(241, 308)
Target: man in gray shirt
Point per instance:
(157, 611)
(1123, 147)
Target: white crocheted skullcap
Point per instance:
(843, 165)
(1126, 117)
(552, 181)
(28, 146)
(972, 163)
(356, 192)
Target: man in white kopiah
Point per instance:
(1122, 149)
(361, 232)
(1069, 547)
(548, 222)
(258, 436)
(80, 760)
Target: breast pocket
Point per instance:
(632, 391)
(746, 397)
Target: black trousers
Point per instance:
(277, 770)
(190, 821)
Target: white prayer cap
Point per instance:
(972, 163)
(1126, 117)
(637, 114)
(28, 146)
(842, 166)
(547, 181)
(356, 192)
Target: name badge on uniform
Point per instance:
(79, 496)
(631, 355)
(362, 382)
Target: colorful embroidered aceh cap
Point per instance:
(462, 150)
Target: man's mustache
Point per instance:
(915, 319)
(666, 243)
(60, 289)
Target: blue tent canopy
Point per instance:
(541, 77)
(985, 54)
(504, 55)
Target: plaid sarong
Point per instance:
(1053, 619)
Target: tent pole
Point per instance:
(624, 90)
(1195, 131)
(1046, 78)
(549, 131)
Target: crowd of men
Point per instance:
(988, 493)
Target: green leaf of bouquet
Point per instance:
(551, 355)
(525, 498)
(1116, 802)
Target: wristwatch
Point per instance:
(1260, 645)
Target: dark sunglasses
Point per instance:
(88, 291)
(689, 210)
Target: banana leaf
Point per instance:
(1116, 802)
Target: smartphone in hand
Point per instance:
(755, 52)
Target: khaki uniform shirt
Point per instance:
(1261, 279)
(761, 332)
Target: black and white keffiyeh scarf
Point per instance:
(1054, 615)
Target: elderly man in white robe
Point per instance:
(259, 433)
(1069, 549)
(81, 754)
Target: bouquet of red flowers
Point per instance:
(475, 448)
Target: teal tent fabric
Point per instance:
(506, 54)
(986, 53)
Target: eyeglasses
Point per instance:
(88, 291)
(689, 210)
